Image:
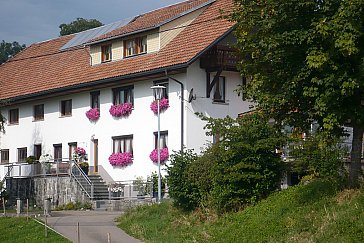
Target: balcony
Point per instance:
(220, 57)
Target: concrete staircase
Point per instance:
(101, 189)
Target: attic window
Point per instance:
(135, 46)
(106, 53)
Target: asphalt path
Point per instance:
(94, 226)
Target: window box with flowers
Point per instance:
(121, 159)
(163, 105)
(93, 114)
(121, 110)
(164, 155)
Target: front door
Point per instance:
(96, 156)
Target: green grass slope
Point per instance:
(13, 230)
(316, 212)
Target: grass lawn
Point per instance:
(316, 212)
(13, 230)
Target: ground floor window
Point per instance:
(123, 144)
(22, 154)
(4, 156)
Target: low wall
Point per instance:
(60, 190)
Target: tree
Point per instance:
(306, 62)
(8, 50)
(78, 25)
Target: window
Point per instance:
(66, 108)
(57, 148)
(38, 112)
(14, 116)
(123, 144)
(219, 90)
(135, 46)
(95, 99)
(37, 151)
(123, 95)
(106, 53)
(4, 156)
(163, 83)
(71, 149)
(22, 154)
(163, 139)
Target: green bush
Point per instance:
(184, 194)
(74, 206)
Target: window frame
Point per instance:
(95, 99)
(63, 108)
(38, 117)
(71, 149)
(106, 53)
(123, 142)
(2, 160)
(23, 150)
(56, 152)
(14, 120)
(164, 83)
(138, 45)
(223, 94)
(37, 148)
(128, 90)
(163, 137)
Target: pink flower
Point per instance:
(124, 109)
(80, 151)
(163, 105)
(154, 155)
(121, 159)
(93, 114)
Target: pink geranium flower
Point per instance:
(93, 114)
(121, 159)
(164, 155)
(124, 109)
(163, 105)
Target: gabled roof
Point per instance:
(43, 68)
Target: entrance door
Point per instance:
(96, 156)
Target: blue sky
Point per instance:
(30, 21)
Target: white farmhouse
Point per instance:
(50, 86)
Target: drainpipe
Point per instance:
(182, 107)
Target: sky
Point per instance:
(31, 21)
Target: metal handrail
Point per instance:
(130, 189)
(10, 168)
(89, 193)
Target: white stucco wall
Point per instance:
(141, 123)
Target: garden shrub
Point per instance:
(181, 190)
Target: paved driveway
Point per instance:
(94, 226)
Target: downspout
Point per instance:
(182, 108)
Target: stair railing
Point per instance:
(82, 179)
(10, 168)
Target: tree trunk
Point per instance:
(355, 164)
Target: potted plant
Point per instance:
(154, 179)
(120, 110)
(84, 167)
(31, 159)
(121, 159)
(93, 114)
(164, 155)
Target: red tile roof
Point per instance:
(43, 67)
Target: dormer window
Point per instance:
(106, 53)
(135, 46)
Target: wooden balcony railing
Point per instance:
(220, 57)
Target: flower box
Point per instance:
(163, 105)
(121, 159)
(124, 109)
(93, 114)
(164, 155)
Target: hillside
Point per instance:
(316, 212)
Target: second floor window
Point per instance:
(135, 46)
(123, 144)
(106, 53)
(22, 154)
(38, 112)
(14, 116)
(66, 108)
(4, 156)
(219, 90)
(95, 99)
(123, 95)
